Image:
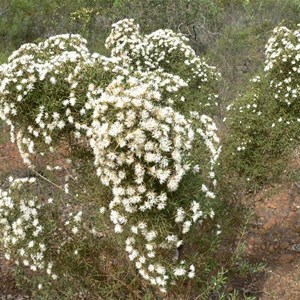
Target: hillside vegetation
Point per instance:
(142, 125)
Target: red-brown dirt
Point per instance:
(275, 239)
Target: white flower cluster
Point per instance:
(22, 231)
(142, 145)
(141, 151)
(283, 64)
(131, 132)
(161, 50)
(212, 142)
(126, 110)
(149, 269)
(73, 221)
(35, 73)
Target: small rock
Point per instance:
(294, 207)
(297, 228)
(271, 205)
(271, 223)
(251, 243)
(286, 258)
(295, 247)
(271, 249)
(284, 245)
(230, 288)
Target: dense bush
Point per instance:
(75, 114)
(136, 120)
(264, 123)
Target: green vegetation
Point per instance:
(264, 123)
(66, 106)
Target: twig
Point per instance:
(56, 185)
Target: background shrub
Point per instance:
(264, 123)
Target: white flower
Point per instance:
(180, 215)
(31, 244)
(186, 226)
(142, 146)
(75, 230)
(102, 209)
(179, 271)
(53, 80)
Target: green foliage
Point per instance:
(263, 124)
(99, 269)
(79, 258)
(260, 137)
(25, 21)
(242, 32)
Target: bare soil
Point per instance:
(275, 239)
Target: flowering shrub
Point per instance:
(264, 123)
(48, 234)
(141, 151)
(20, 221)
(282, 65)
(39, 93)
(137, 116)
